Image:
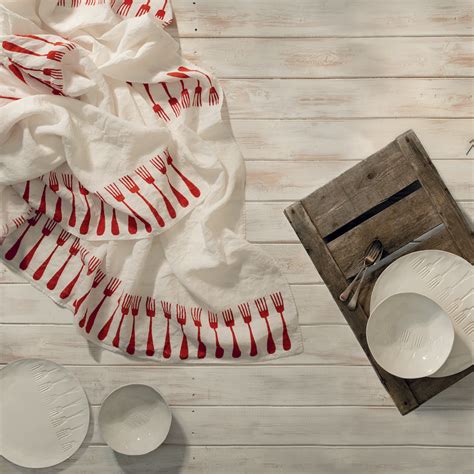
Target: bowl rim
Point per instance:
(168, 411)
(451, 333)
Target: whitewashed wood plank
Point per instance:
(210, 18)
(286, 180)
(269, 386)
(267, 223)
(27, 305)
(292, 259)
(314, 426)
(343, 98)
(267, 459)
(324, 345)
(347, 139)
(331, 57)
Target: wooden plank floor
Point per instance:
(312, 87)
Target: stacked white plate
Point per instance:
(445, 279)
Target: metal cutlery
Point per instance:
(371, 258)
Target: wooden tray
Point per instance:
(395, 195)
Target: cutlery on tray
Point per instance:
(372, 255)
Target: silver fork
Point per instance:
(372, 257)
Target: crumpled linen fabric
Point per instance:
(122, 188)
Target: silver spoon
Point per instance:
(369, 260)
(373, 247)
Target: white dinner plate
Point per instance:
(410, 335)
(134, 419)
(44, 413)
(445, 278)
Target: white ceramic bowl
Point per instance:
(134, 419)
(410, 335)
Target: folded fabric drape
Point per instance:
(122, 188)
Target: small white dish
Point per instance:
(134, 419)
(410, 335)
(44, 413)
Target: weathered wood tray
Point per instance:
(395, 195)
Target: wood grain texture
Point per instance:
(342, 98)
(332, 57)
(267, 459)
(259, 386)
(325, 345)
(279, 426)
(311, 18)
(353, 139)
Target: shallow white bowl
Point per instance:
(410, 335)
(134, 419)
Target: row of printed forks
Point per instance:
(130, 185)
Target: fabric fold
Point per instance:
(122, 188)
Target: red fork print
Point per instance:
(42, 206)
(144, 9)
(150, 312)
(54, 186)
(26, 192)
(167, 314)
(63, 237)
(127, 301)
(84, 229)
(261, 304)
(181, 318)
(190, 185)
(159, 164)
(98, 277)
(105, 329)
(197, 97)
(277, 300)
(101, 223)
(76, 3)
(173, 101)
(68, 184)
(14, 48)
(143, 172)
(13, 250)
(156, 107)
(18, 221)
(91, 266)
(109, 290)
(16, 72)
(229, 322)
(213, 324)
(49, 72)
(213, 95)
(185, 100)
(132, 187)
(135, 308)
(61, 3)
(160, 14)
(196, 315)
(125, 7)
(115, 192)
(247, 317)
(73, 251)
(45, 231)
(114, 226)
(69, 46)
